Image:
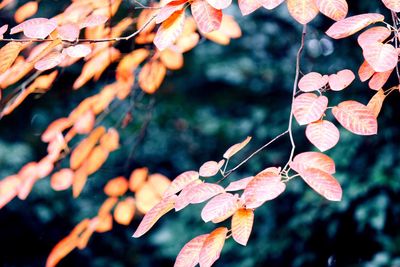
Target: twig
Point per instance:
(396, 40)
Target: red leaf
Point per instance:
(309, 107)
(323, 134)
(167, 10)
(212, 247)
(323, 183)
(190, 253)
(242, 224)
(356, 118)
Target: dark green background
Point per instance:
(221, 95)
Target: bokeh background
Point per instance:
(223, 94)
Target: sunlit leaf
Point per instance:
(239, 184)
(341, 80)
(302, 10)
(137, 178)
(220, 4)
(376, 102)
(323, 183)
(309, 107)
(151, 76)
(8, 54)
(208, 19)
(381, 57)
(323, 134)
(236, 148)
(180, 182)
(116, 187)
(25, 11)
(365, 71)
(220, 205)
(62, 179)
(379, 79)
(393, 5)
(124, 211)
(170, 30)
(334, 9)
(210, 168)
(373, 35)
(312, 81)
(212, 247)
(317, 160)
(190, 253)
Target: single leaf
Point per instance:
(207, 18)
(312, 81)
(218, 206)
(3, 30)
(137, 178)
(323, 134)
(323, 183)
(85, 123)
(93, 21)
(8, 54)
(212, 247)
(210, 168)
(62, 179)
(190, 253)
(170, 30)
(302, 10)
(236, 148)
(25, 11)
(356, 118)
(167, 10)
(365, 71)
(50, 61)
(379, 79)
(381, 57)
(376, 102)
(341, 80)
(184, 197)
(334, 9)
(239, 184)
(351, 25)
(393, 5)
(151, 76)
(116, 187)
(172, 59)
(180, 182)
(242, 224)
(78, 51)
(203, 192)
(264, 187)
(40, 30)
(317, 160)
(110, 140)
(309, 107)
(373, 35)
(153, 215)
(146, 198)
(68, 32)
(124, 211)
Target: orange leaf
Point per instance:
(8, 189)
(212, 247)
(137, 178)
(356, 118)
(96, 159)
(124, 211)
(242, 224)
(334, 9)
(154, 215)
(116, 187)
(146, 198)
(84, 124)
(8, 54)
(79, 182)
(62, 179)
(62, 249)
(302, 10)
(365, 71)
(110, 140)
(107, 206)
(190, 253)
(159, 182)
(170, 30)
(376, 102)
(151, 76)
(25, 11)
(172, 59)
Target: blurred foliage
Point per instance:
(222, 95)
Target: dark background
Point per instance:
(221, 95)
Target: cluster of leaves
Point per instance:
(48, 43)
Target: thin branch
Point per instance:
(296, 81)
(396, 40)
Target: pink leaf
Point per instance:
(334, 9)
(356, 118)
(93, 21)
(365, 71)
(69, 32)
(184, 197)
(41, 30)
(190, 253)
(379, 79)
(323, 134)
(220, 4)
(208, 19)
(373, 35)
(153, 215)
(393, 5)
(180, 182)
(312, 81)
(376, 102)
(170, 30)
(239, 184)
(203, 192)
(78, 51)
(167, 10)
(317, 160)
(309, 107)
(236, 148)
(3, 30)
(351, 25)
(29, 23)
(219, 206)
(381, 57)
(262, 188)
(49, 61)
(323, 183)
(341, 80)
(302, 10)
(210, 168)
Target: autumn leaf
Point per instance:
(236, 148)
(124, 211)
(8, 54)
(62, 179)
(212, 247)
(151, 76)
(190, 253)
(210, 168)
(25, 11)
(154, 215)
(376, 102)
(365, 71)
(239, 184)
(393, 5)
(137, 178)
(373, 35)
(309, 107)
(203, 192)
(312, 81)
(356, 118)
(334, 9)
(302, 10)
(180, 182)
(323, 134)
(242, 224)
(170, 30)
(316, 160)
(116, 187)
(381, 57)
(323, 183)
(220, 205)
(208, 18)
(341, 80)
(379, 79)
